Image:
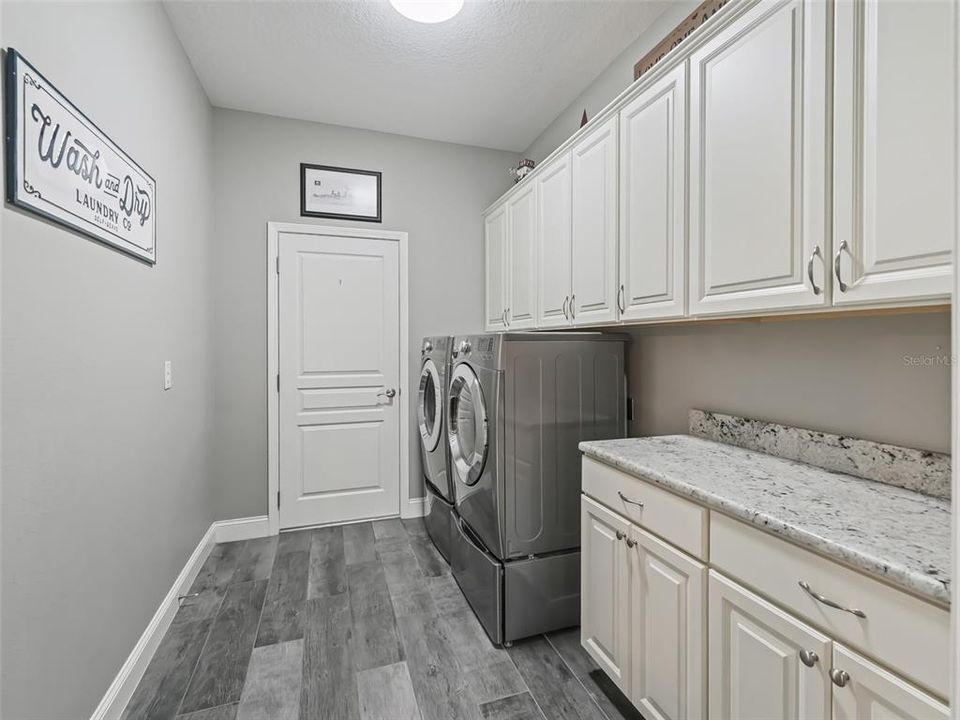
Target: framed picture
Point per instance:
(64, 168)
(343, 193)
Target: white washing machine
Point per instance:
(434, 449)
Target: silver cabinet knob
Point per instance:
(839, 677)
(389, 392)
(631, 543)
(809, 657)
(619, 535)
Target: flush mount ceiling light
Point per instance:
(428, 11)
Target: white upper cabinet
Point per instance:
(553, 216)
(865, 691)
(758, 160)
(604, 578)
(668, 595)
(895, 188)
(495, 269)
(594, 239)
(521, 300)
(764, 663)
(653, 202)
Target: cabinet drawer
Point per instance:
(901, 631)
(678, 521)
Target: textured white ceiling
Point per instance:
(494, 76)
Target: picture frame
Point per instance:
(340, 193)
(62, 167)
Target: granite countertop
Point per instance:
(899, 535)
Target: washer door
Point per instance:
(467, 425)
(430, 406)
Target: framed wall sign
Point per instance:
(63, 167)
(343, 193)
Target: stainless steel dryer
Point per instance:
(434, 451)
(519, 405)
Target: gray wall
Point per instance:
(855, 376)
(106, 485)
(434, 191)
(841, 375)
(611, 82)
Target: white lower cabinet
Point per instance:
(764, 664)
(604, 598)
(667, 628)
(868, 692)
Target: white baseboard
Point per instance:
(241, 529)
(121, 689)
(416, 507)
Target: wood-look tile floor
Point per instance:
(359, 622)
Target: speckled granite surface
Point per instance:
(896, 534)
(920, 470)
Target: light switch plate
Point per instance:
(167, 374)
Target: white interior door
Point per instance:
(339, 373)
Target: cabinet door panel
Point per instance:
(758, 161)
(668, 593)
(895, 149)
(595, 226)
(521, 301)
(755, 667)
(604, 588)
(653, 201)
(553, 210)
(872, 693)
(495, 281)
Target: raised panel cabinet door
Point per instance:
(604, 589)
(522, 258)
(871, 693)
(495, 269)
(594, 161)
(764, 664)
(668, 606)
(653, 208)
(758, 162)
(895, 174)
(553, 256)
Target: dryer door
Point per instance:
(430, 406)
(467, 425)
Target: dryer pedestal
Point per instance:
(517, 598)
(439, 521)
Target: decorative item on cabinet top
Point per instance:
(681, 32)
(61, 166)
(523, 168)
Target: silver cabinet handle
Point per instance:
(830, 603)
(566, 299)
(638, 503)
(836, 265)
(809, 657)
(389, 392)
(506, 317)
(815, 254)
(619, 535)
(631, 543)
(573, 306)
(839, 677)
(620, 304)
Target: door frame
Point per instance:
(409, 507)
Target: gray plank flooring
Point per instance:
(359, 622)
